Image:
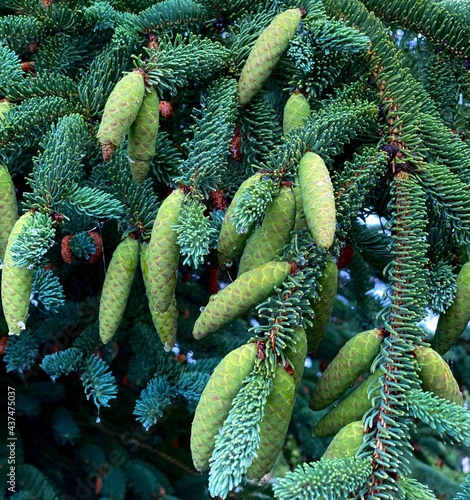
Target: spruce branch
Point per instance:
(206, 164)
(170, 14)
(18, 31)
(93, 202)
(451, 195)
(178, 61)
(47, 292)
(29, 120)
(10, 70)
(251, 205)
(153, 400)
(21, 352)
(414, 490)
(58, 167)
(463, 495)
(445, 147)
(442, 286)
(34, 240)
(98, 81)
(447, 418)
(196, 233)
(388, 441)
(430, 18)
(318, 54)
(242, 36)
(167, 160)
(101, 16)
(290, 305)
(139, 200)
(41, 86)
(325, 132)
(62, 362)
(64, 427)
(332, 479)
(36, 484)
(260, 132)
(63, 54)
(238, 439)
(354, 185)
(97, 380)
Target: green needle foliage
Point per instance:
(386, 86)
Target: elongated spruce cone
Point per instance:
(216, 401)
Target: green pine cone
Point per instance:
(297, 354)
(16, 284)
(143, 136)
(436, 376)
(266, 53)
(346, 442)
(216, 401)
(165, 323)
(318, 199)
(5, 106)
(120, 111)
(139, 169)
(273, 428)
(274, 234)
(8, 208)
(117, 286)
(231, 242)
(453, 322)
(353, 359)
(164, 253)
(296, 111)
(300, 220)
(324, 306)
(349, 409)
(239, 297)
(249, 252)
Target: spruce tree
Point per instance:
(224, 228)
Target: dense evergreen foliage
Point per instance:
(226, 232)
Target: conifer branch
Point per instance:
(260, 132)
(447, 418)
(388, 440)
(62, 362)
(333, 479)
(167, 15)
(178, 61)
(325, 132)
(354, 184)
(27, 121)
(34, 240)
(206, 164)
(463, 495)
(41, 86)
(47, 292)
(21, 352)
(290, 305)
(153, 400)
(196, 233)
(429, 18)
(97, 381)
(139, 200)
(238, 439)
(414, 490)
